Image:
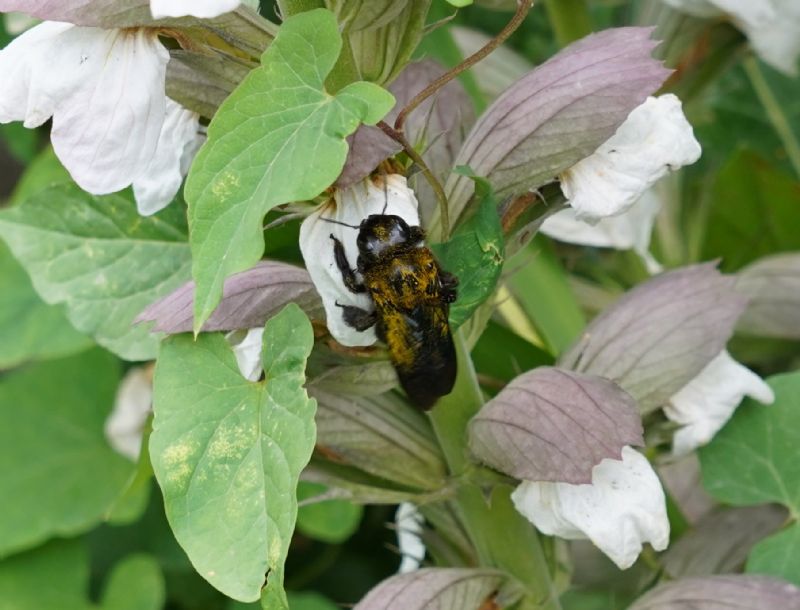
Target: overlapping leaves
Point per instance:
(278, 138)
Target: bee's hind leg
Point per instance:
(348, 275)
(358, 318)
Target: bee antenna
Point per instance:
(385, 196)
(339, 222)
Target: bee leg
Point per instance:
(358, 318)
(416, 235)
(449, 283)
(348, 275)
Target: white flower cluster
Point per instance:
(113, 125)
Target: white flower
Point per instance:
(655, 138)
(204, 9)
(381, 194)
(708, 401)
(408, 522)
(248, 352)
(132, 406)
(104, 89)
(623, 508)
(630, 230)
(772, 26)
(177, 146)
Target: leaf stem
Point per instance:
(774, 111)
(523, 7)
(398, 136)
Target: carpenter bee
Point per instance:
(412, 297)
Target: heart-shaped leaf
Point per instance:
(228, 453)
(278, 138)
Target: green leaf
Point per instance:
(136, 583)
(60, 477)
(753, 460)
(20, 141)
(100, 258)
(45, 170)
(753, 213)
(228, 453)
(331, 521)
(278, 138)
(778, 555)
(475, 254)
(29, 328)
(540, 283)
(52, 576)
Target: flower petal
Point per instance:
(105, 131)
(350, 206)
(708, 401)
(132, 406)
(630, 230)
(178, 143)
(248, 352)
(655, 139)
(623, 508)
(31, 91)
(204, 9)
(408, 522)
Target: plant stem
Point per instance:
(501, 536)
(570, 19)
(523, 6)
(774, 111)
(398, 136)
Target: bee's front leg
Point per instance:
(358, 318)
(348, 275)
(449, 284)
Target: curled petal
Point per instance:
(655, 138)
(409, 521)
(132, 407)
(179, 141)
(708, 401)
(204, 9)
(247, 350)
(382, 194)
(630, 230)
(623, 508)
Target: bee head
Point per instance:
(381, 232)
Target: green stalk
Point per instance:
(502, 537)
(570, 19)
(774, 111)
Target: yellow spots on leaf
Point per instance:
(177, 463)
(224, 185)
